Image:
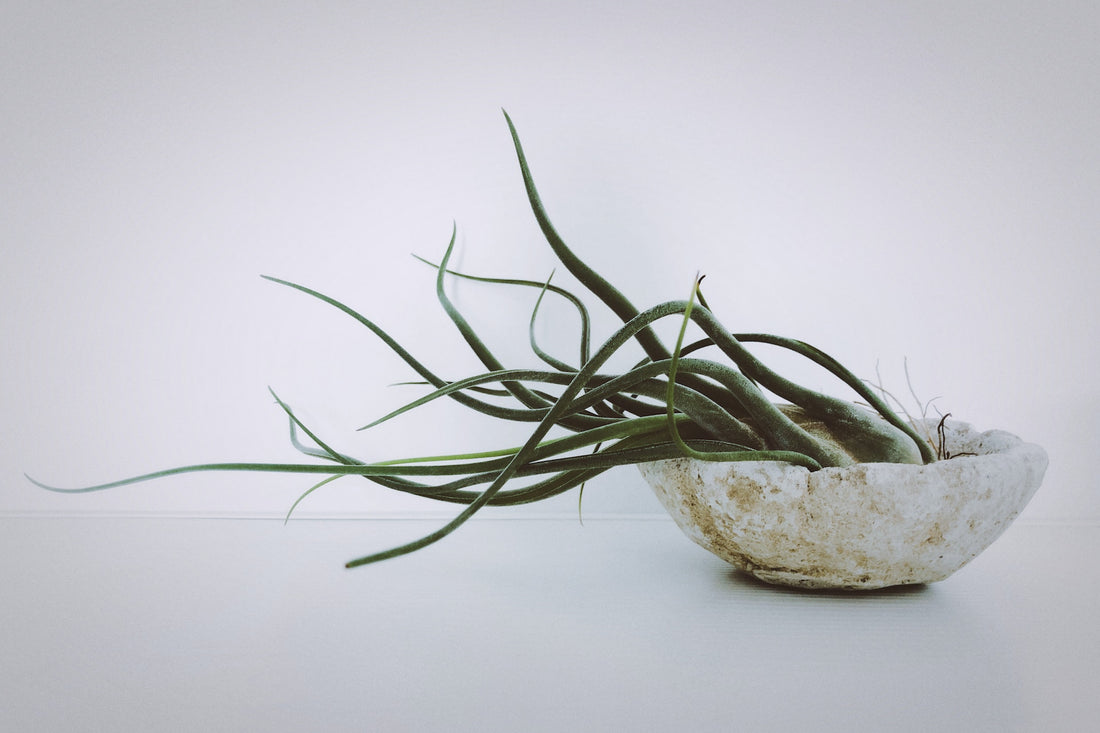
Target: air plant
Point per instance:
(671, 404)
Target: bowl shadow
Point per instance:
(741, 579)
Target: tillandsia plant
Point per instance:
(671, 404)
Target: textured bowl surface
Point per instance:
(864, 526)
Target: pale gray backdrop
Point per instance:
(889, 181)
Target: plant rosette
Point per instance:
(863, 526)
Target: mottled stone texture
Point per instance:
(864, 526)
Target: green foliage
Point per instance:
(670, 405)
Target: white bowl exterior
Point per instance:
(869, 525)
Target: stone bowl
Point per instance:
(865, 526)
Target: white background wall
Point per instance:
(884, 180)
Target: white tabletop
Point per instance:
(151, 624)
